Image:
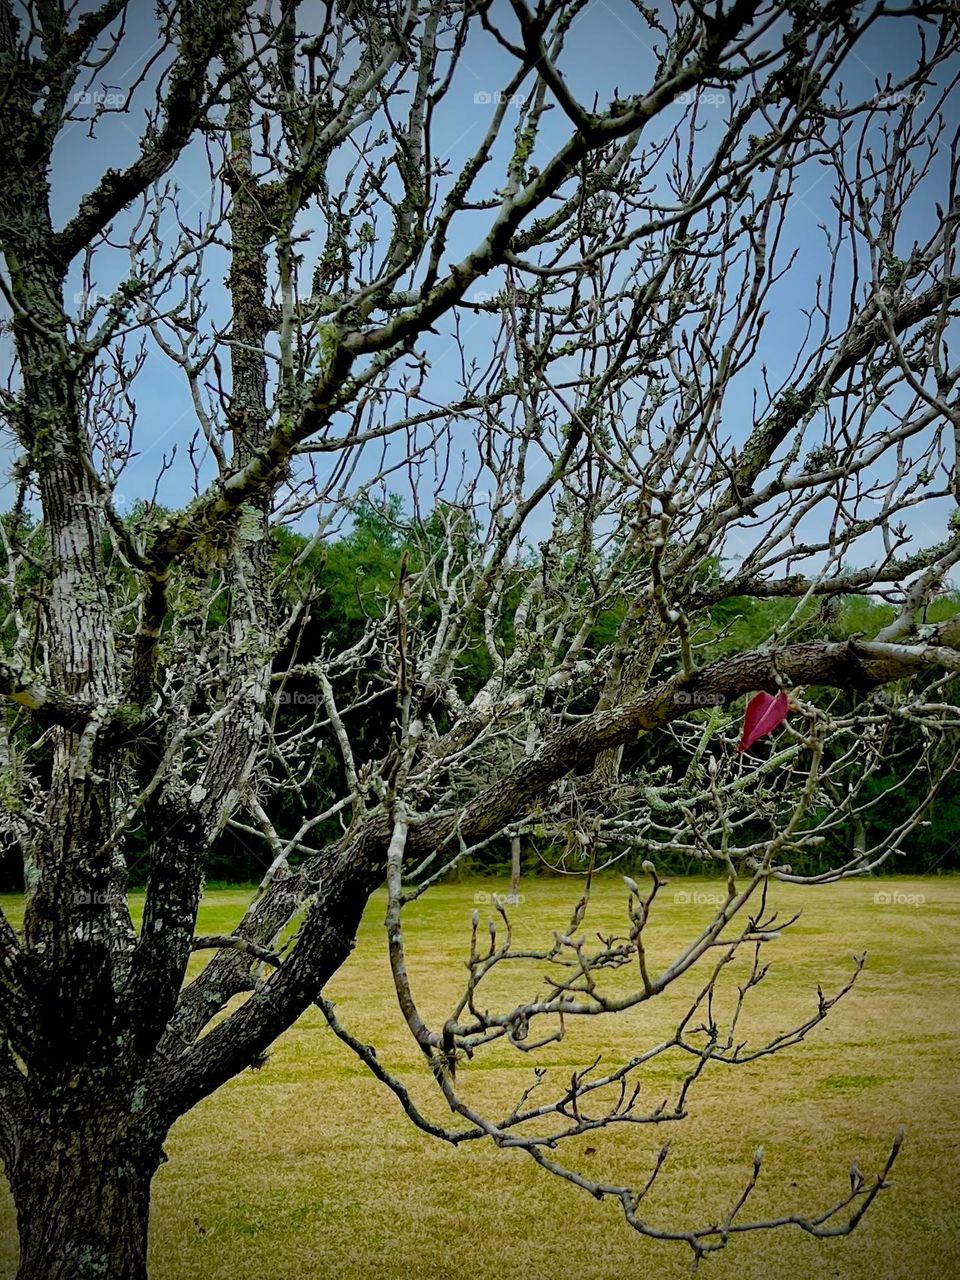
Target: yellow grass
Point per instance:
(308, 1168)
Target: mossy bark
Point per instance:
(82, 1192)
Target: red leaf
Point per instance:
(763, 714)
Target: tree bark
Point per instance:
(83, 1199)
(514, 866)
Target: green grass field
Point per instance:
(308, 1169)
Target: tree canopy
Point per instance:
(490, 445)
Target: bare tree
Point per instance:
(554, 343)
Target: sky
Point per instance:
(609, 49)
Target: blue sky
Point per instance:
(609, 48)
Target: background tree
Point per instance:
(554, 346)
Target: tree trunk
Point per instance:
(83, 1202)
(514, 866)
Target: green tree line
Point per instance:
(353, 578)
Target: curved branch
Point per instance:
(327, 933)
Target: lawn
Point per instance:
(308, 1169)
